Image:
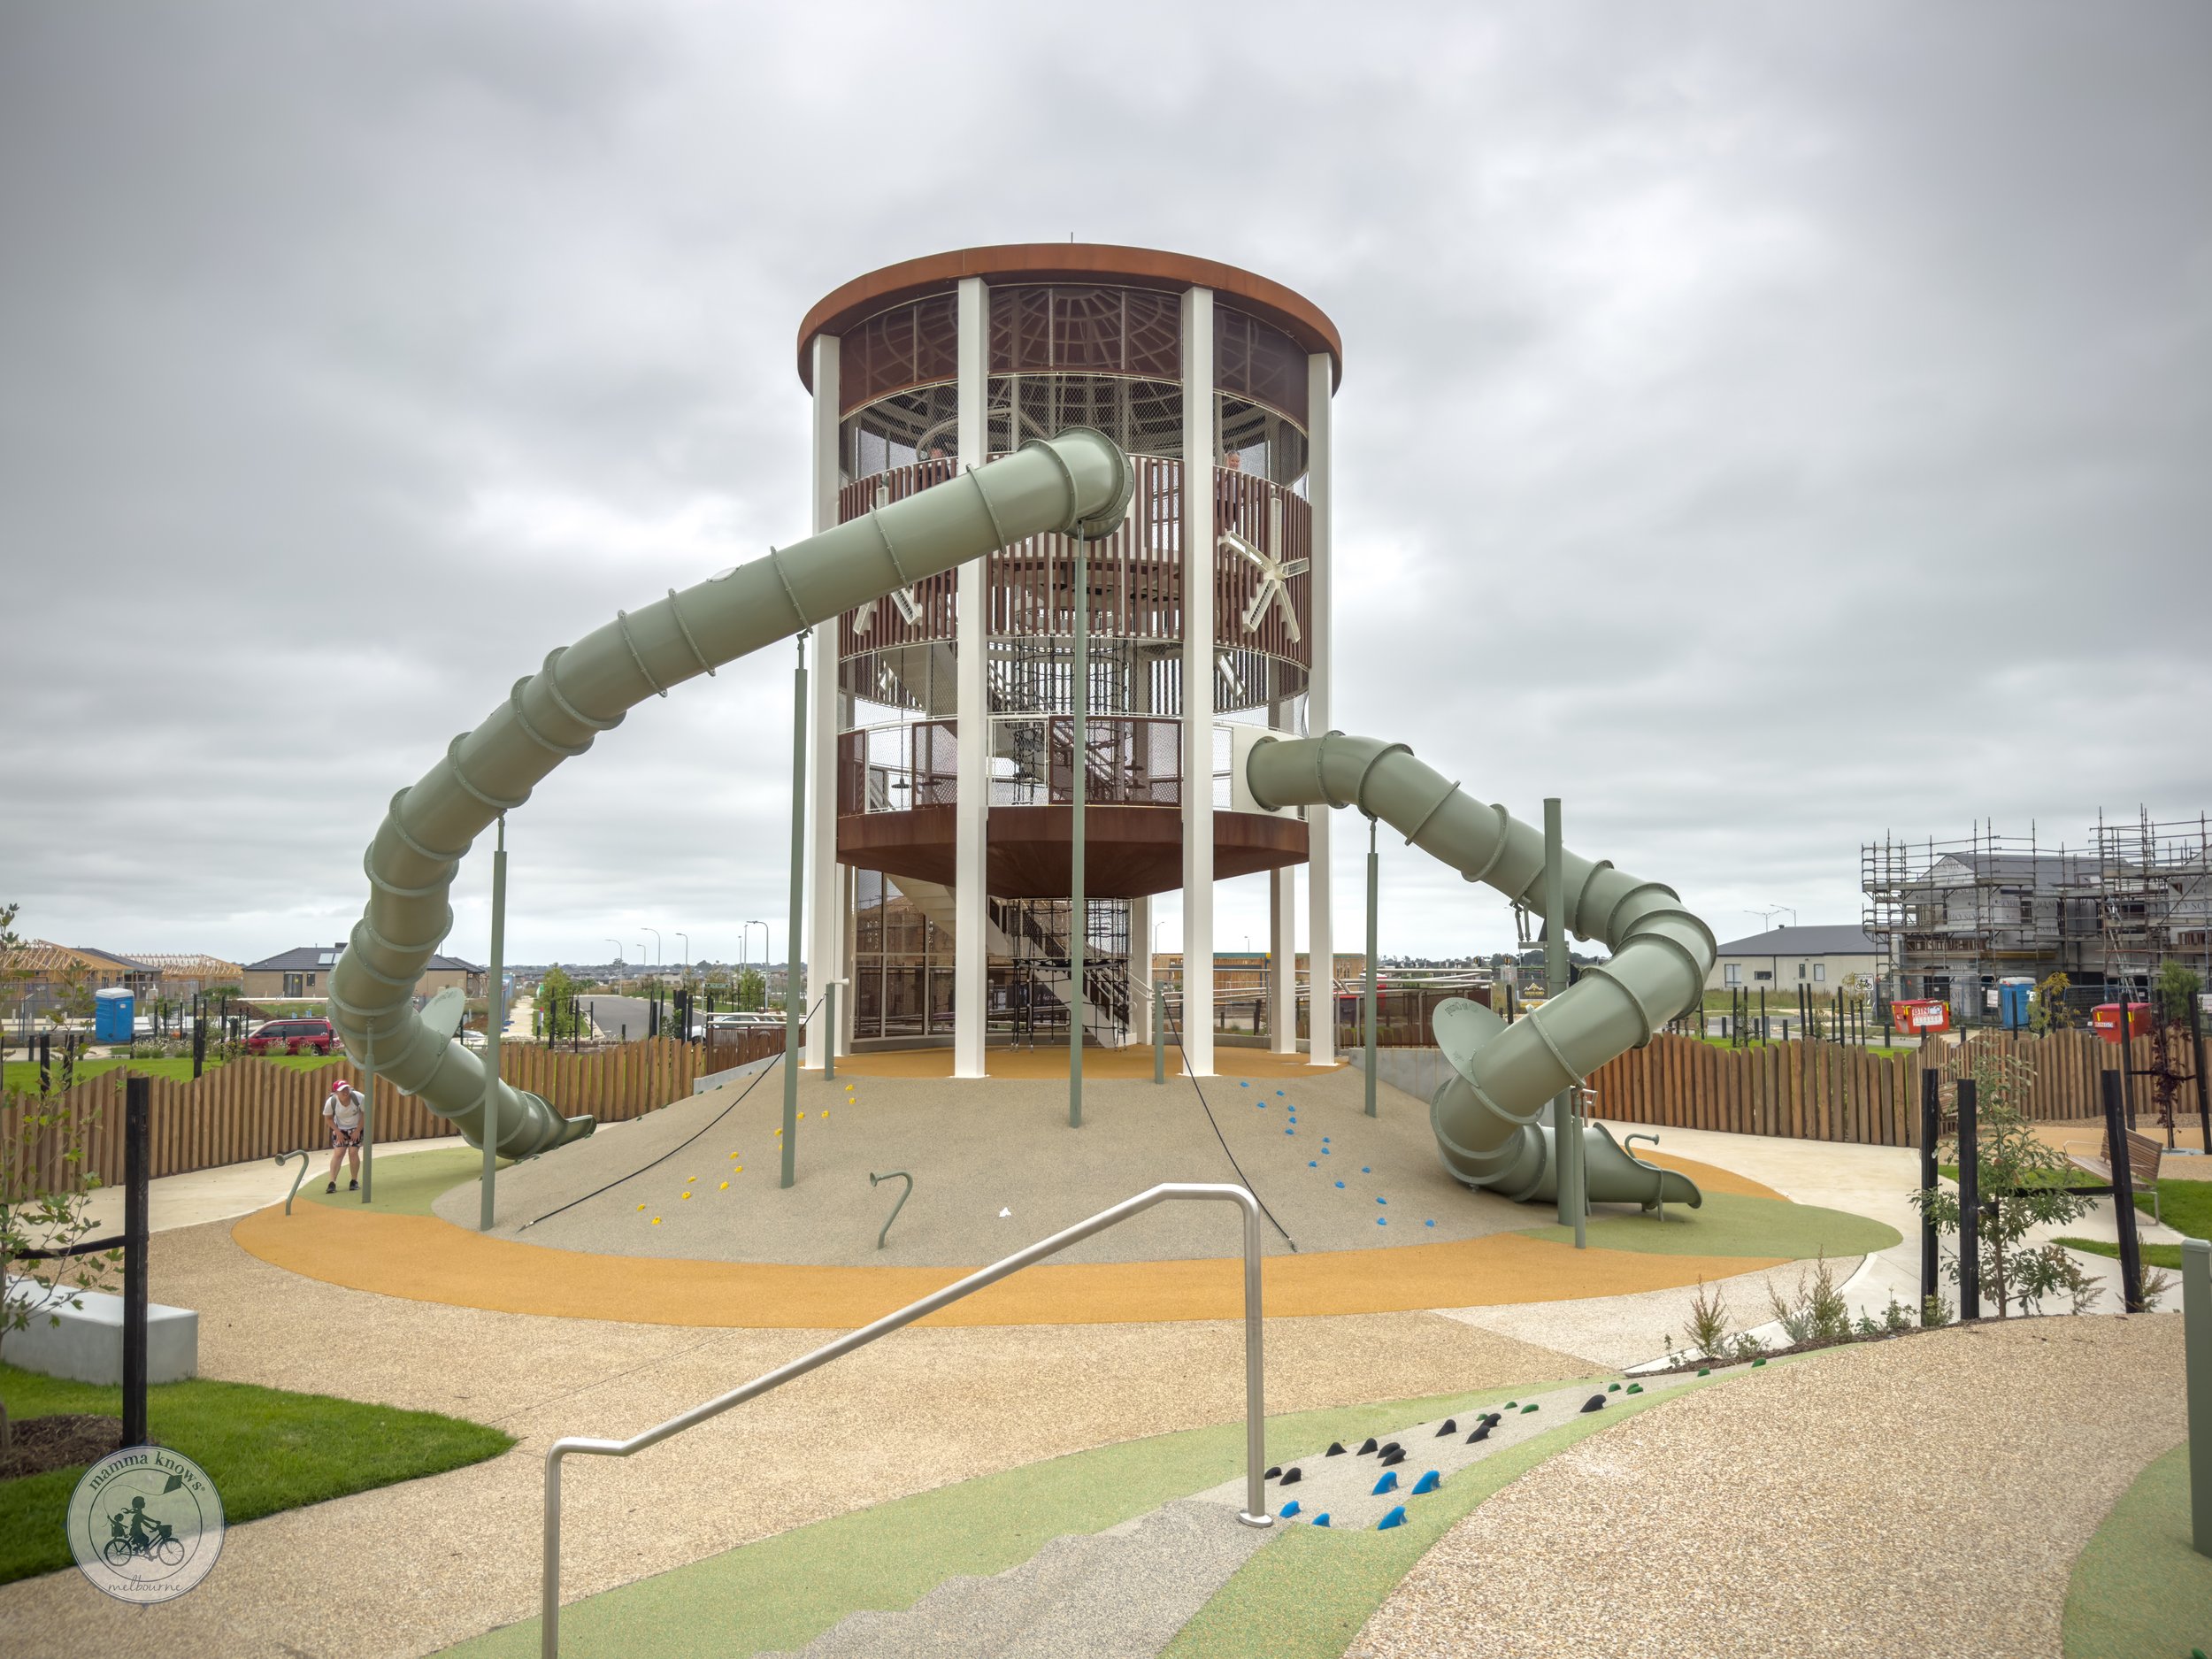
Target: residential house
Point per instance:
(303, 974)
(1822, 956)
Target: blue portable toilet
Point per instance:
(114, 1013)
(2014, 996)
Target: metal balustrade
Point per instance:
(1254, 1513)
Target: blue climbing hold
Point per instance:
(1290, 1509)
(1430, 1224)
(1382, 1201)
(1239, 1085)
(1363, 1169)
(1388, 1483)
(1340, 1183)
(1324, 1137)
(1311, 1165)
(1382, 1221)
(1321, 1520)
(1290, 1132)
(1277, 1092)
(1427, 1484)
(1396, 1517)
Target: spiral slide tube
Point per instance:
(1076, 483)
(1488, 1117)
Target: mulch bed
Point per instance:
(58, 1442)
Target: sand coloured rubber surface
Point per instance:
(421, 1258)
(996, 1167)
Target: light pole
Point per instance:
(622, 961)
(685, 964)
(657, 947)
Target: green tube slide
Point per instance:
(1492, 1117)
(1078, 482)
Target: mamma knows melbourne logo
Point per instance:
(145, 1524)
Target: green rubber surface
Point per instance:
(782, 1592)
(2139, 1590)
(406, 1183)
(1308, 1594)
(1733, 1224)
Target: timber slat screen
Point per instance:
(254, 1108)
(1829, 1091)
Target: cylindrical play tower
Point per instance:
(942, 742)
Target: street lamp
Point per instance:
(685, 964)
(656, 946)
(622, 961)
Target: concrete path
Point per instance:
(1874, 1182)
(233, 1189)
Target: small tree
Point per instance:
(556, 1017)
(752, 990)
(2050, 1012)
(2011, 1159)
(43, 1206)
(2172, 999)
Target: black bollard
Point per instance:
(137, 1141)
(2122, 1196)
(1969, 1206)
(1931, 1130)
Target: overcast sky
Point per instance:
(1764, 427)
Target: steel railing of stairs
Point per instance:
(1254, 1513)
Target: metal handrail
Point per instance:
(1254, 1513)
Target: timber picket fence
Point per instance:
(255, 1108)
(1830, 1091)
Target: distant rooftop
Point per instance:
(1844, 939)
(309, 958)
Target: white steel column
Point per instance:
(826, 890)
(1198, 680)
(1320, 936)
(970, 959)
(1282, 960)
(1140, 971)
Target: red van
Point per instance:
(293, 1036)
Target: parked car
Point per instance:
(293, 1036)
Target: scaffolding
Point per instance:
(1953, 919)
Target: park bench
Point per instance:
(2143, 1156)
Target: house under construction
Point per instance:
(1955, 918)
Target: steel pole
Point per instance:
(368, 1113)
(494, 1019)
(2196, 1313)
(793, 1002)
(1566, 1131)
(829, 1028)
(1374, 889)
(1159, 1029)
(1078, 917)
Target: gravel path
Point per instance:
(1922, 1496)
(432, 1562)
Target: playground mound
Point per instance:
(995, 1167)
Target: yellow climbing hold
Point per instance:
(685, 1196)
(640, 1209)
(656, 1221)
(689, 1178)
(726, 1187)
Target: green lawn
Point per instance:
(2185, 1206)
(2139, 1588)
(2165, 1255)
(265, 1449)
(405, 1183)
(781, 1591)
(21, 1076)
